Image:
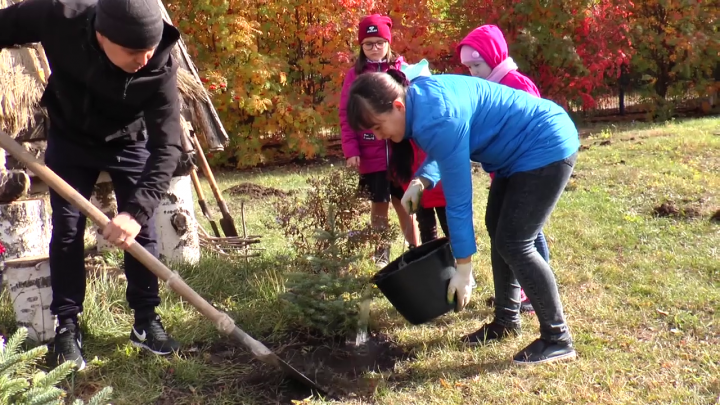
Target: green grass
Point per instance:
(641, 294)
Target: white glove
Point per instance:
(411, 198)
(461, 284)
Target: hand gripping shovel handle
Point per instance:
(222, 321)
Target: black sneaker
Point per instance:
(13, 185)
(67, 346)
(382, 256)
(490, 332)
(542, 351)
(151, 335)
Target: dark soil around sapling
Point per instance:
(256, 191)
(669, 209)
(343, 371)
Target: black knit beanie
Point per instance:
(133, 24)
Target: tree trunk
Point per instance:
(175, 224)
(28, 281)
(25, 228)
(104, 199)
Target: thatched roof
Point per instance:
(20, 89)
(23, 72)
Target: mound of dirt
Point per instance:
(340, 369)
(337, 368)
(715, 217)
(670, 210)
(257, 191)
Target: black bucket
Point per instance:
(416, 283)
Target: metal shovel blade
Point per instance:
(262, 353)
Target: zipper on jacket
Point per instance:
(127, 83)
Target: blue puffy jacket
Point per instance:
(458, 119)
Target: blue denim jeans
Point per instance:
(517, 209)
(542, 246)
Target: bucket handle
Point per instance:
(402, 263)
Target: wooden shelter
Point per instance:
(24, 72)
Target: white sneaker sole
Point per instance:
(146, 347)
(565, 357)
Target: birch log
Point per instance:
(175, 224)
(28, 281)
(25, 228)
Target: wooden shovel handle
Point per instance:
(207, 172)
(101, 220)
(198, 186)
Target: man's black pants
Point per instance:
(80, 166)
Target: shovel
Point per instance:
(188, 146)
(227, 223)
(172, 279)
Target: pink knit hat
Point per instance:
(375, 25)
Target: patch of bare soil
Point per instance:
(257, 191)
(337, 368)
(669, 209)
(715, 217)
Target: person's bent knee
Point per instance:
(514, 251)
(67, 231)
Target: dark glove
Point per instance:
(186, 164)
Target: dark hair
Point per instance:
(373, 93)
(362, 60)
(402, 158)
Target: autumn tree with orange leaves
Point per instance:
(275, 68)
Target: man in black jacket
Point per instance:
(113, 105)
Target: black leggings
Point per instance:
(427, 224)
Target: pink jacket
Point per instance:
(374, 153)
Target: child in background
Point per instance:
(484, 52)
(432, 201)
(405, 159)
(361, 149)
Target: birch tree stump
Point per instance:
(175, 224)
(25, 228)
(28, 281)
(103, 198)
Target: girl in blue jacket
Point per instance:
(530, 143)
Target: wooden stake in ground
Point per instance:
(242, 216)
